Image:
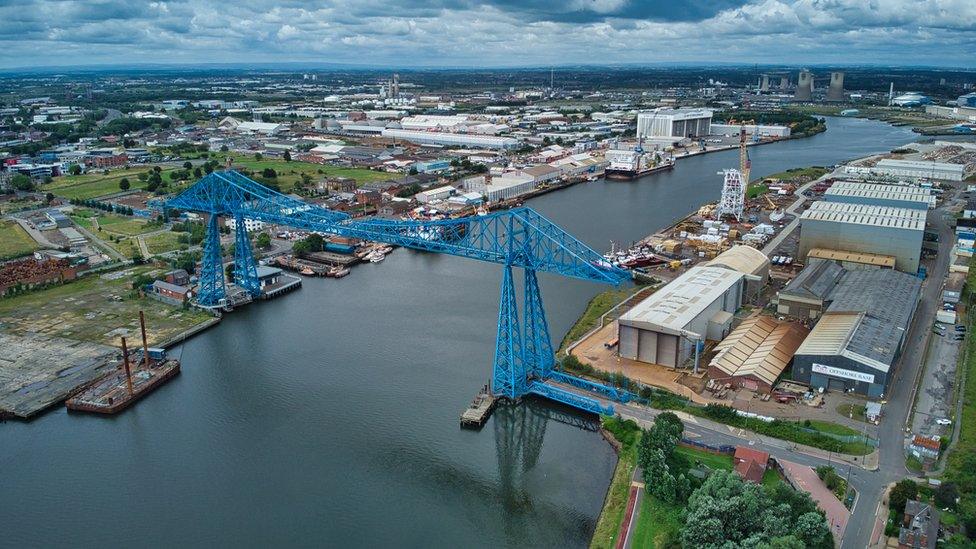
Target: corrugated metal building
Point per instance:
(665, 328)
(873, 194)
(880, 230)
(755, 354)
(859, 338)
(853, 260)
(804, 296)
(748, 261)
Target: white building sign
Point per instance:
(841, 372)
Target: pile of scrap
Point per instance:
(31, 272)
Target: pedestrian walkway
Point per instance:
(804, 478)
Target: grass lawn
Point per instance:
(858, 411)
(657, 523)
(82, 310)
(597, 306)
(608, 525)
(162, 242)
(813, 172)
(14, 241)
(756, 189)
(94, 185)
(125, 226)
(290, 173)
(708, 459)
(834, 428)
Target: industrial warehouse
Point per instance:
(884, 230)
(875, 194)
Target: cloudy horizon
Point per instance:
(497, 33)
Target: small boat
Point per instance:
(307, 271)
(376, 257)
(340, 272)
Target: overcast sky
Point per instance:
(494, 33)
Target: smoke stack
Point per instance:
(804, 86)
(835, 92)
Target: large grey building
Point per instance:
(883, 230)
(858, 340)
(684, 122)
(880, 194)
(698, 305)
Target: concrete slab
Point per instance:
(37, 371)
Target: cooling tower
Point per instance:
(836, 90)
(764, 84)
(784, 83)
(804, 86)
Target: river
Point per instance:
(329, 416)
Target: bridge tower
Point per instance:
(212, 292)
(245, 269)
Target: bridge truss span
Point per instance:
(517, 238)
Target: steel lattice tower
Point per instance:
(733, 198)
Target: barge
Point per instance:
(129, 382)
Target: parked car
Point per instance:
(938, 331)
(961, 328)
(943, 421)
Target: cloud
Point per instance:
(487, 33)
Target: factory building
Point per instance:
(748, 261)
(667, 327)
(503, 187)
(880, 230)
(858, 340)
(919, 169)
(806, 295)
(249, 224)
(435, 195)
(755, 354)
(874, 194)
(451, 139)
(853, 260)
(674, 123)
(763, 130)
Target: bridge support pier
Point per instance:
(245, 269)
(508, 378)
(212, 290)
(539, 356)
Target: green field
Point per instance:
(290, 173)
(162, 242)
(834, 428)
(94, 185)
(14, 241)
(597, 307)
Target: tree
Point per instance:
(269, 173)
(22, 183)
(124, 184)
(188, 165)
(287, 156)
(229, 272)
(946, 495)
(258, 156)
(223, 148)
(905, 490)
(75, 169)
(311, 243)
(49, 197)
(413, 171)
(263, 241)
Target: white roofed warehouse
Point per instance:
(882, 230)
(666, 327)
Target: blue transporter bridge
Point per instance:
(519, 238)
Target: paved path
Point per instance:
(793, 209)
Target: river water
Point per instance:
(329, 416)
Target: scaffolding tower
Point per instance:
(733, 195)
